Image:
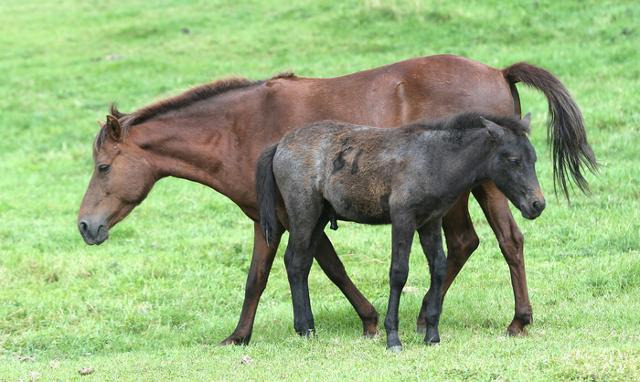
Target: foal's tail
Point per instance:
(566, 135)
(267, 191)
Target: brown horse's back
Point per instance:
(389, 96)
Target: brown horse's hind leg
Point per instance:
(261, 262)
(461, 241)
(331, 265)
(496, 209)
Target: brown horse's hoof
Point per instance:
(370, 333)
(516, 329)
(370, 324)
(517, 326)
(370, 327)
(235, 340)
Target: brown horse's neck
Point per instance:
(207, 145)
(174, 151)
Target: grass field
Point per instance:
(153, 302)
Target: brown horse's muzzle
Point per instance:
(93, 231)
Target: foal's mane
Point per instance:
(189, 97)
(471, 120)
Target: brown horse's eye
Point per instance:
(104, 168)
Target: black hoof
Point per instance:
(306, 333)
(395, 348)
(432, 337)
(432, 341)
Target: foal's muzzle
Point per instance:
(93, 232)
(533, 209)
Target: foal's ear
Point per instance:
(114, 128)
(526, 121)
(496, 131)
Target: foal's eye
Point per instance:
(103, 168)
(514, 161)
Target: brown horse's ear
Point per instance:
(526, 121)
(496, 131)
(114, 128)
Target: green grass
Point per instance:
(152, 302)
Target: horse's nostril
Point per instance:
(83, 226)
(539, 206)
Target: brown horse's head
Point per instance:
(121, 179)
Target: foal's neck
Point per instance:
(474, 152)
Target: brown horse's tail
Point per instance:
(566, 134)
(267, 191)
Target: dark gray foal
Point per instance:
(408, 177)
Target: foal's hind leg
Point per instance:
(332, 266)
(462, 240)
(298, 260)
(306, 224)
(496, 209)
(431, 241)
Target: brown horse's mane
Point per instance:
(189, 97)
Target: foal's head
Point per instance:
(121, 179)
(512, 167)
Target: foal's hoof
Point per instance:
(433, 339)
(394, 349)
(308, 333)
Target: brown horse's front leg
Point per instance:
(462, 240)
(261, 262)
(496, 209)
(331, 265)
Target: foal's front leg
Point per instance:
(401, 236)
(431, 241)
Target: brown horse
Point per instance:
(213, 134)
